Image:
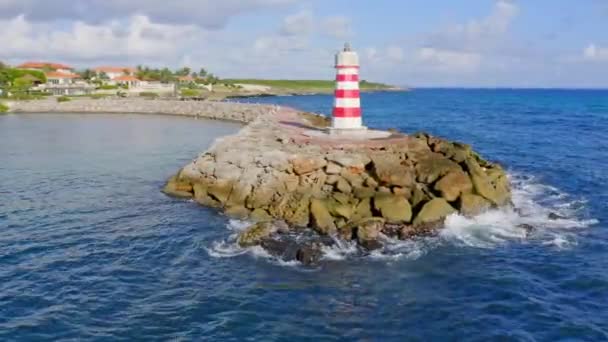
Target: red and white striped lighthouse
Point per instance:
(347, 104)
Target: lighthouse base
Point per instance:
(346, 131)
(346, 123)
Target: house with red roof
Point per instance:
(46, 66)
(127, 80)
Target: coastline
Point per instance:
(225, 111)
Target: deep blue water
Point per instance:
(91, 250)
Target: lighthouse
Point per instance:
(346, 115)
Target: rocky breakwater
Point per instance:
(201, 109)
(283, 173)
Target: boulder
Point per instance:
(369, 228)
(471, 205)
(354, 178)
(260, 215)
(420, 194)
(333, 169)
(343, 186)
(256, 233)
(337, 209)
(322, 219)
(202, 198)
(364, 192)
(220, 190)
(432, 166)
(424, 229)
(483, 186)
(237, 211)
(395, 209)
(309, 255)
(391, 171)
(178, 188)
(363, 210)
(453, 184)
(304, 165)
(433, 211)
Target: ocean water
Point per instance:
(91, 250)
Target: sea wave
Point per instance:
(540, 214)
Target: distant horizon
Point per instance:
(480, 43)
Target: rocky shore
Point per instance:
(283, 173)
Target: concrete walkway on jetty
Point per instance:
(286, 119)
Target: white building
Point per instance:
(114, 72)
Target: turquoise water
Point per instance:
(91, 250)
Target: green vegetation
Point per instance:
(166, 75)
(148, 94)
(107, 87)
(18, 82)
(190, 92)
(3, 108)
(305, 85)
(63, 99)
(98, 96)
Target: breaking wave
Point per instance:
(552, 218)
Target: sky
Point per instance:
(418, 43)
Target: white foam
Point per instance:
(533, 202)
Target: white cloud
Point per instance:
(395, 53)
(135, 37)
(449, 61)
(595, 53)
(210, 14)
(476, 35)
(297, 24)
(338, 27)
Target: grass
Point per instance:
(63, 99)
(148, 94)
(304, 85)
(190, 92)
(3, 108)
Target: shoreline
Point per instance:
(233, 112)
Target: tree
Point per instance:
(87, 74)
(104, 76)
(202, 73)
(211, 78)
(2, 65)
(185, 71)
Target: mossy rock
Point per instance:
(395, 209)
(453, 184)
(322, 220)
(201, 196)
(391, 171)
(177, 188)
(363, 210)
(433, 166)
(256, 233)
(368, 229)
(238, 212)
(220, 190)
(472, 205)
(434, 210)
(260, 215)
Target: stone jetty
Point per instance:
(227, 111)
(283, 168)
(291, 179)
